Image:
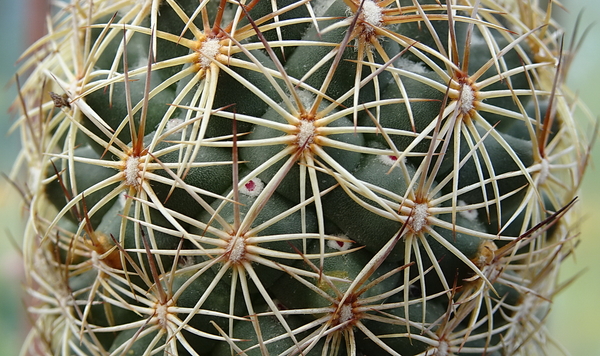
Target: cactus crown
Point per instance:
(296, 177)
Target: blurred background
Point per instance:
(18, 28)
(576, 311)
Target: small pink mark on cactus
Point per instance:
(250, 186)
(279, 305)
(253, 187)
(388, 160)
(469, 214)
(339, 245)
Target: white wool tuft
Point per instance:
(419, 218)
(544, 171)
(209, 51)
(467, 97)
(346, 313)
(372, 14)
(238, 249)
(132, 171)
(306, 134)
(162, 315)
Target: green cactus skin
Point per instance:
(297, 177)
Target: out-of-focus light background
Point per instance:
(576, 311)
(14, 36)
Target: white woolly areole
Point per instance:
(470, 214)
(346, 313)
(162, 315)
(253, 187)
(209, 50)
(544, 171)
(306, 134)
(419, 217)
(467, 97)
(442, 349)
(132, 171)
(237, 249)
(372, 14)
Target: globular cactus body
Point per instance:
(292, 177)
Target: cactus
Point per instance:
(297, 177)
